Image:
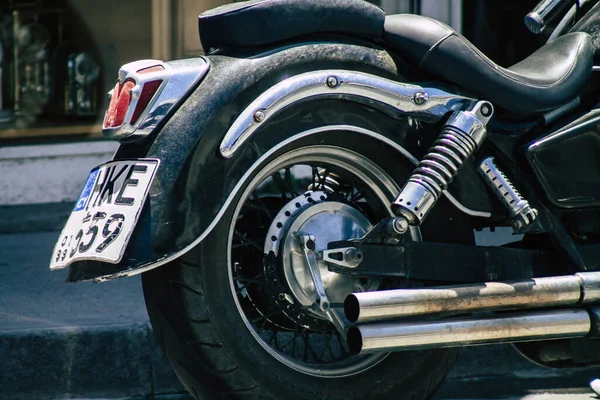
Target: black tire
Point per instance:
(197, 320)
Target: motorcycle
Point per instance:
(301, 201)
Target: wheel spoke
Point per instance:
(273, 338)
(248, 282)
(308, 347)
(315, 177)
(319, 178)
(245, 242)
(289, 184)
(284, 184)
(260, 206)
(355, 195)
(265, 209)
(265, 317)
(341, 343)
(304, 337)
(245, 283)
(327, 346)
(292, 341)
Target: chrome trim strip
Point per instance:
(178, 77)
(248, 174)
(428, 104)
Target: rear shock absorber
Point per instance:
(461, 136)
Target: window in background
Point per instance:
(58, 59)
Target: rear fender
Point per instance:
(196, 179)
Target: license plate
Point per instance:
(105, 214)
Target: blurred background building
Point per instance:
(58, 58)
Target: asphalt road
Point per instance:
(33, 297)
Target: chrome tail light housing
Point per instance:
(146, 92)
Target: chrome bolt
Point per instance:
(486, 110)
(420, 98)
(397, 226)
(400, 224)
(353, 255)
(259, 116)
(332, 81)
(281, 296)
(517, 225)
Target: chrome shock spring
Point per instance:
(444, 159)
(461, 136)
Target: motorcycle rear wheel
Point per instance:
(208, 317)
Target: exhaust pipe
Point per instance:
(391, 333)
(581, 288)
(464, 332)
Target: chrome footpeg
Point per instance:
(521, 213)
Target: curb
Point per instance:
(98, 361)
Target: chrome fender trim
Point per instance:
(248, 175)
(428, 104)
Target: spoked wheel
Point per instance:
(320, 191)
(240, 317)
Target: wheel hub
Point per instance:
(317, 214)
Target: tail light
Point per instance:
(146, 93)
(120, 98)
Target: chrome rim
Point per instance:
(268, 281)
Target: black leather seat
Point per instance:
(552, 76)
(547, 79)
(259, 22)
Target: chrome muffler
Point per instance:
(392, 332)
(539, 325)
(581, 288)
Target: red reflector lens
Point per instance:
(147, 92)
(119, 103)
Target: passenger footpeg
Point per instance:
(462, 135)
(521, 213)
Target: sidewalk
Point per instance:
(94, 341)
(61, 340)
